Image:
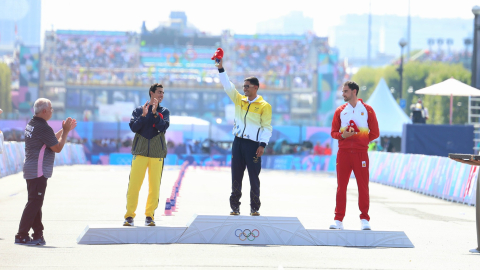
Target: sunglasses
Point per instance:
(248, 86)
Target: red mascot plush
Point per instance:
(217, 56)
(351, 125)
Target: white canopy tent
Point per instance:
(450, 87)
(390, 116)
(188, 120)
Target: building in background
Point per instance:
(292, 24)
(351, 34)
(19, 24)
(89, 73)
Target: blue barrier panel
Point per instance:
(430, 175)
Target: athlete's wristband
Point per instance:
(221, 70)
(342, 136)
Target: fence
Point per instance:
(436, 176)
(12, 159)
(429, 175)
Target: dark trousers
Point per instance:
(32, 214)
(244, 155)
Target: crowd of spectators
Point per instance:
(281, 63)
(115, 60)
(446, 56)
(73, 54)
(140, 76)
(94, 51)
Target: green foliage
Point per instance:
(5, 88)
(419, 75)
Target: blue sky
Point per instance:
(239, 16)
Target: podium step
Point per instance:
(104, 234)
(246, 230)
(242, 230)
(359, 238)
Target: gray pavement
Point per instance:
(441, 231)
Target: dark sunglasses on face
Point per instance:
(247, 86)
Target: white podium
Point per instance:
(241, 230)
(349, 238)
(104, 234)
(246, 230)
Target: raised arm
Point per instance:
(228, 85)
(67, 126)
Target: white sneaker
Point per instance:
(365, 225)
(338, 225)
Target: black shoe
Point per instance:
(128, 221)
(22, 240)
(235, 212)
(149, 221)
(254, 212)
(38, 242)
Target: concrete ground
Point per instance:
(441, 231)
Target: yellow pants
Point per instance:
(137, 174)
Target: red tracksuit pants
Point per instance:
(356, 160)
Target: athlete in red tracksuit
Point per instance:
(354, 125)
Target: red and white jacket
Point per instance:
(366, 121)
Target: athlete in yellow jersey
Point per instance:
(252, 129)
(149, 122)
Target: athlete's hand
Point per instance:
(155, 105)
(220, 65)
(260, 151)
(145, 109)
(349, 132)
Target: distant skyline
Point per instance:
(386, 33)
(240, 17)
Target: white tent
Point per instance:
(451, 88)
(389, 114)
(188, 120)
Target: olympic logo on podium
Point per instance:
(243, 235)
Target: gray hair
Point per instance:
(40, 105)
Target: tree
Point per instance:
(5, 88)
(419, 75)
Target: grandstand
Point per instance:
(84, 71)
(454, 57)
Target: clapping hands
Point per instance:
(69, 124)
(155, 105)
(145, 109)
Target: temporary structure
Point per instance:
(390, 116)
(450, 87)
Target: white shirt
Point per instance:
(250, 102)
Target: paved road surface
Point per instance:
(441, 231)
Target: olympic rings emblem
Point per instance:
(247, 234)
